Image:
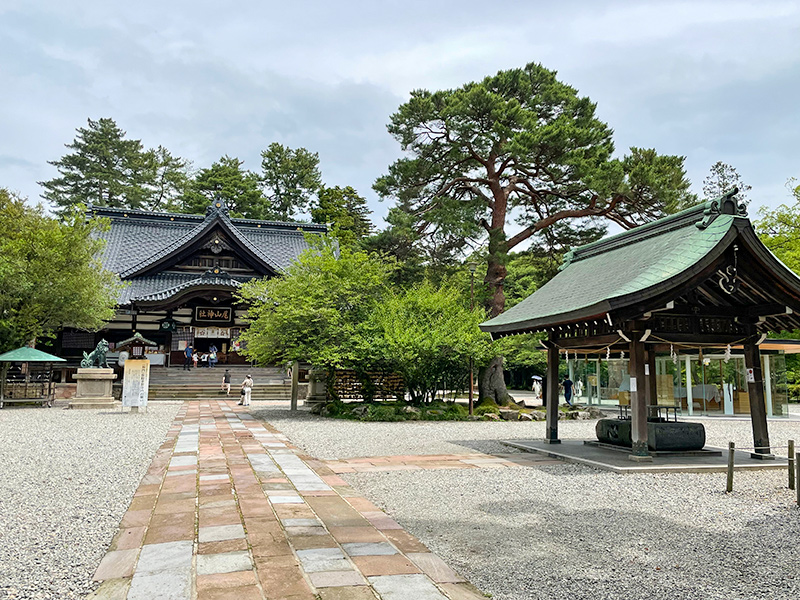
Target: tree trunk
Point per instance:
(491, 385)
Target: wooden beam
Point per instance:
(593, 342)
(650, 376)
(755, 389)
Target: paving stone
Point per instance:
(301, 523)
(435, 568)
(220, 477)
(347, 593)
(282, 577)
(167, 556)
(297, 531)
(247, 592)
(462, 591)
(338, 579)
(166, 585)
(182, 461)
(405, 541)
(369, 549)
(111, 589)
(130, 537)
(220, 532)
(228, 562)
(294, 499)
(358, 534)
(405, 587)
(226, 580)
(385, 565)
(116, 564)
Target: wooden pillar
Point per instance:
(755, 389)
(638, 400)
(295, 385)
(652, 380)
(551, 430)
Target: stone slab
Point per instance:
(406, 587)
(220, 532)
(228, 562)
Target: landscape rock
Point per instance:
(509, 415)
(411, 410)
(492, 417)
(525, 417)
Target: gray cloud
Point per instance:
(709, 80)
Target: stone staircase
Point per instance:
(269, 383)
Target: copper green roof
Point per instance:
(26, 354)
(136, 339)
(614, 272)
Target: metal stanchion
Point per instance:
(731, 447)
(797, 475)
(792, 481)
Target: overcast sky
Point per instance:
(708, 80)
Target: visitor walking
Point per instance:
(195, 358)
(212, 355)
(226, 383)
(247, 390)
(187, 361)
(567, 386)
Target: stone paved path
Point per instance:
(229, 509)
(372, 464)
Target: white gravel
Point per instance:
(336, 438)
(570, 532)
(66, 479)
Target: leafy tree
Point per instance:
(104, 169)
(226, 178)
(289, 179)
(319, 310)
(428, 334)
(398, 242)
(519, 141)
(779, 228)
(345, 210)
(49, 275)
(721, 179)
(168, 178)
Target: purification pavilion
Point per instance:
(699, 278)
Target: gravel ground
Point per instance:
(67, 478)
(335, 438)
(567, 531)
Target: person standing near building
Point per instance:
(187, 361)
(212, 355)
(567, 386)
(226, 383)
(247, 390)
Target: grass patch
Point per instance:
(394, 411)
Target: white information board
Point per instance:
(135, 383)
(751, 376)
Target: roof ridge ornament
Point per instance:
(217, 206)
(727, 204)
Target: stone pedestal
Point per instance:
(94, 389)
(317, 388)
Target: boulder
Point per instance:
(316, 409)
(411, 409)
(584, 415)
(360, 411)
(491, 417)
(539, 415)
(596, 412)
(525, 417)
(509, 415)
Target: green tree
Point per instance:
(428, 334)
(520, 141)
(721, 179)
(289, 178)
(318, 311)
(168, 179)
(49, 274)
(104, 169)
(227, 179)
(345, 210)
(778, 229)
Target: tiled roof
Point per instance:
(205, 280)
(139, 238)
(595, 275)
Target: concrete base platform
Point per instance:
(715, 460)
(88, 404)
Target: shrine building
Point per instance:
(180, 274)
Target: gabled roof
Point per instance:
(139, 242)
(631, 267)
(208, 280)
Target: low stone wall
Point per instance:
(372, 385)
(65, 391)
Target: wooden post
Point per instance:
(650, 376)
(638, 401)
(295, 384)
(731, 451)
(551, 430)
(791, 465)
(755, 389)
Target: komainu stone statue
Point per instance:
(98, 355)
